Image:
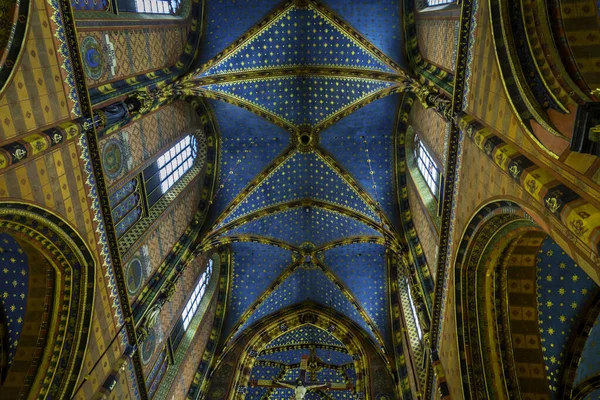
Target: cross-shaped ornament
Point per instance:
(300, 389)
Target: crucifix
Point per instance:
(300, 389)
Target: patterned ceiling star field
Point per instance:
(262, 168)
(14, 289)
(564, 291)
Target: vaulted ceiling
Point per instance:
(305, 95)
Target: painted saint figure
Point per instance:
(300, 390)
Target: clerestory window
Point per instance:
(168, 168)
(431, 3)
(194, 301)
(150, 6)
(427, 166)
(414, 311)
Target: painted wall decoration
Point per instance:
(433, 36)
(91, 53)
(141, 140)
(116, 157)
(131, 51)
(147, 348)
(41, 91)
(126, 204)
(50, 238)
(134, 275)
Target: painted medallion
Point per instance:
(91, 53)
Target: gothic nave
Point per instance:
(299, 199)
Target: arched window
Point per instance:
(427, 166)
(150, 6)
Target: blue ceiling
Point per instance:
(361, 268)
(241, 130)
(304, 68)
(255, 267)
(301, 100)
(374, 124)
(13, 289)
(306, 224)
(595, 395)
(564, 292)
(306, 334)
(302, 176)
(378, 21)
(307, 285)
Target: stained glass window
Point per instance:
(150, 6)
(194, 301)
(414, 311)
(172, 165)
(427, 166)
(439, 2)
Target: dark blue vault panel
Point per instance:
(307, 285)
(255, 267)
(305, 224)
(242, 130)
(299, 37)
(302, 176)
(301, 100)
(344, 141)
(362, 269)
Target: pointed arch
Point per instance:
(244, 350)
(56, 255)
(500, 286)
